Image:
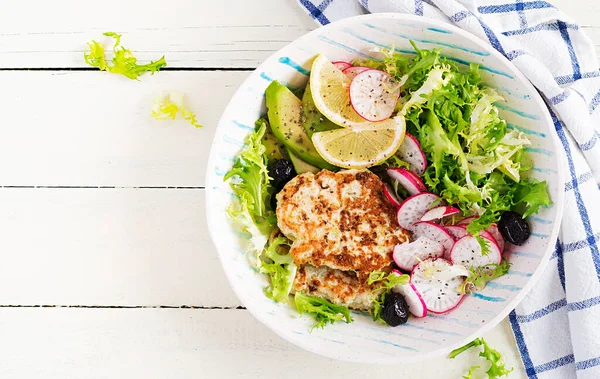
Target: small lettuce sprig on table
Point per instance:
(476, 161)
(497, 365)
(123, 61)
(169, 105)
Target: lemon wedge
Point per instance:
(330, 90)
(361, 146)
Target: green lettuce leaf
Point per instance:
(497, 365)
(123, 61)
(169, 105)
(322, 311)
(532, 194)
(251, 183)
(480, 276)
(280, 268)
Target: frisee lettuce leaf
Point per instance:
(322, 311)
(476, 162)
(280, 268)
(479, 276)
(384, 284)
(251, 183)
(123, 61)
(469, 374)
(169, 104)
(497, 365)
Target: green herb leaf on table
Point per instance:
(169, 105)
(123, 61)
(497, 365)
(469, 375)
(322, 311)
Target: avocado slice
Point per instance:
(285, 112)
(275, 149)
(312, 120)
(300, 166)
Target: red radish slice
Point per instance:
(390, 195)
(373, 95)
(437, 280)
(493, 230)
(433, 232)
(351, 72)
(410, 152)
(466, 221)
(407, 179)
(407, 255)
(439, 212)
(414, 207)
(341, 65)
(467, 251)
(457, 231)
(416, 304)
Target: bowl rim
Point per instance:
(509, 307)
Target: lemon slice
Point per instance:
(330, 90)
(361, 146)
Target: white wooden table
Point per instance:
(107, 268)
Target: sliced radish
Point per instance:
(438, 280)
(416, 304)
(439, 212)
(466, 221)
(407, 179)
(373, 95)
(413, 208)
(407, 255)
(390, 195)
(434, 232)
(410, 152)
(351, 72)
(341, 65)
(457, 231)
(493, 229)
(467, 251)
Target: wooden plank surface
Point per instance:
(189, 33)
(118, 247)
(184, 343)
(94, 129)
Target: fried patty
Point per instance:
(339, 287)
(341, 220)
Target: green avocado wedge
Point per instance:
(275, 149)
(285, 112)
(312, 120)
(300, 166)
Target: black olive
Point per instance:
(282, 171)
(514, 228)
(395, 309)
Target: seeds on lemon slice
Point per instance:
(330, 90)
(361, 146)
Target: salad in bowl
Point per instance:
(390, 188)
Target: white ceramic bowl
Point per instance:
(364, 340)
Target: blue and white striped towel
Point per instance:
(557, 325)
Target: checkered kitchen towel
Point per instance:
(557, 326)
